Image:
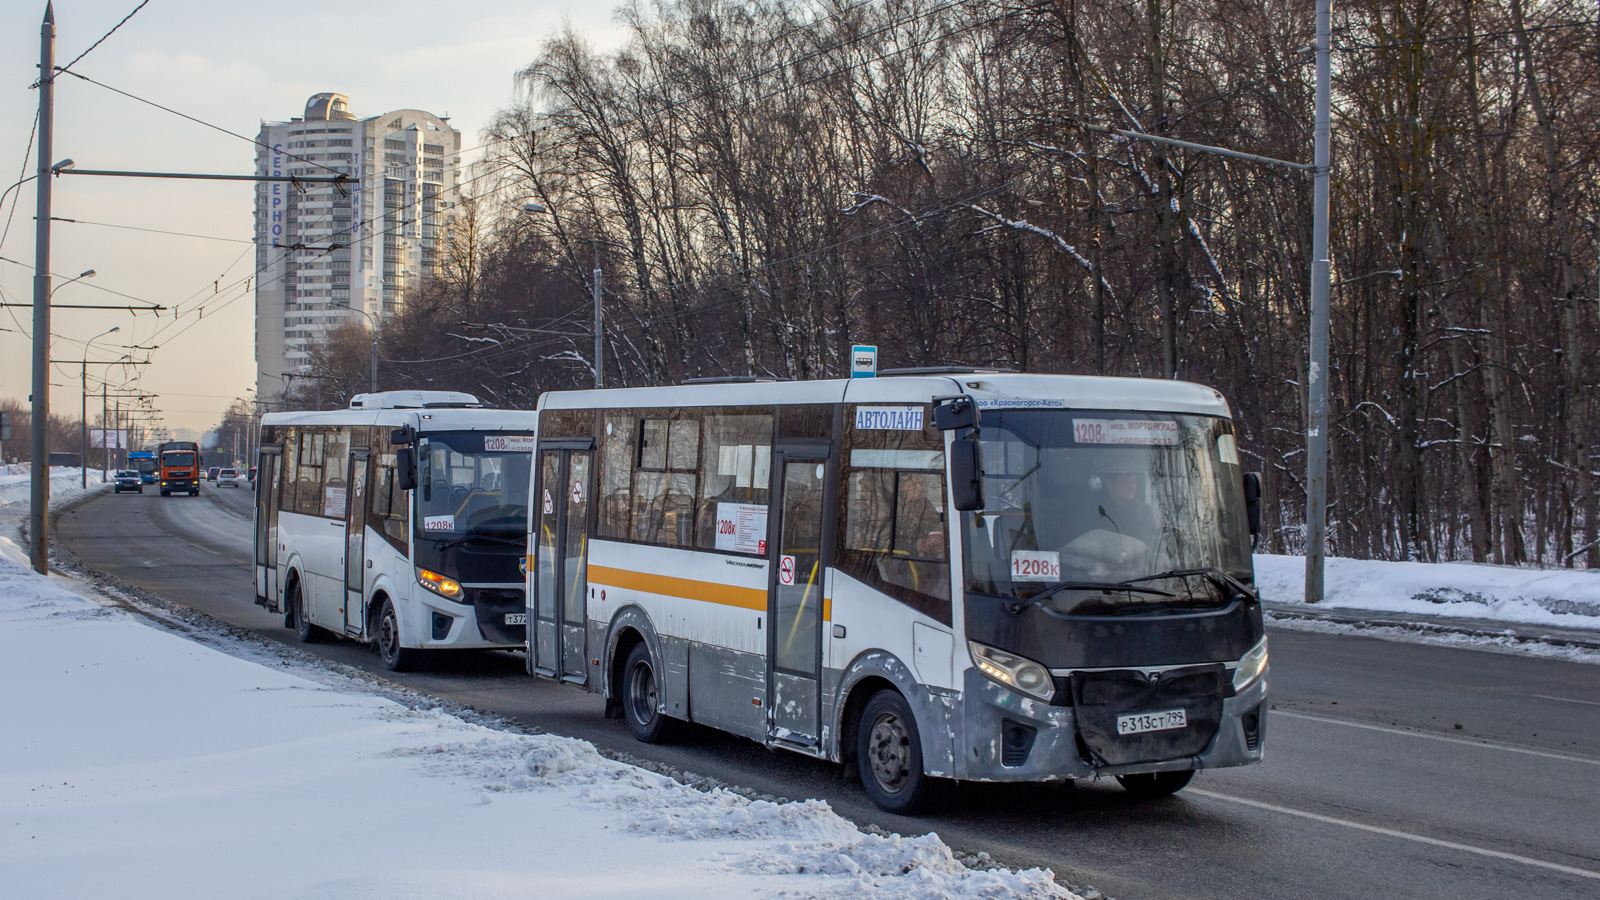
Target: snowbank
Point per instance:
(1560, 597)
(64, 483)
(135, 763)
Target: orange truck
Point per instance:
(180, 468)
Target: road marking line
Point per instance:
(1487, 745)
(1404, 835)
(1566, 700)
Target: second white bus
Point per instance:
(400, 521)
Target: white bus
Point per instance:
(961, 574)
(400, 521)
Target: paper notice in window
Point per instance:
(742, 527)
(439, 523)
(1035, 565)
(1137, 432)
(333, 502)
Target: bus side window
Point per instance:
(291, 468)
(664, 486)
(308, 484)
(616, 474)
(893, 516)
(736, 467)
(389, 510)
(335, 485)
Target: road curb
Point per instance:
(1522, 634)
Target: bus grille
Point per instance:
(1100, 697)
(491, 606)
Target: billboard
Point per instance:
(115, 439)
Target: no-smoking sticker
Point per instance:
(548, 506)
(577, 492)
(786, 570)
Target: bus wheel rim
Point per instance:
(889, 752)
(388, 632)
(643, 693)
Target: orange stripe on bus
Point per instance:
(708, 591)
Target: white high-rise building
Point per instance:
(327, 253)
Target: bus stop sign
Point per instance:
(864, 361)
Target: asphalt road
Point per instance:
(1393, 770)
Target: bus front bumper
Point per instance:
(1011, 737)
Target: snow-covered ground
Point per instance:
(137, 763)
(1566, 598)
(64, 483)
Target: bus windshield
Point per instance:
(467, 493)
(1078, 503)
(142, 465)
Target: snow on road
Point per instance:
(136, 763)
(1567, 598)
(64, 483)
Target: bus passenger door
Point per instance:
(798, 559)
(355, 545)
(561, 551)
(267, 468)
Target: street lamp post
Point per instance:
(83, 462)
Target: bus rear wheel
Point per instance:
(1151, 785)
(889, 754)
(641, 698)
(396, 658)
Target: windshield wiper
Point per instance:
(481, 537)
(1020, 605)
(1215, 575)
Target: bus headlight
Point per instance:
(448, 588)
(1250, 667)
(1015, 672)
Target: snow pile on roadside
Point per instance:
(64, 483)
(1567, 598)
(140, 764)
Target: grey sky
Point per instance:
(231, 64)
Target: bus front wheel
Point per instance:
(304, 631)
(641, 698)
(889, 754)
(1151, 785)
(395, 657)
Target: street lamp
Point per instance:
(532, 208)
(83, 461)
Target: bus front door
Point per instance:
(561, 551)
(797, 563)
(267, 529)
(355, 549)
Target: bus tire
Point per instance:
(396, 658)
(641, 698)
(1153, 785)
(304, 631)
(889, 754)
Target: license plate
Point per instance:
(516, 618)
(1139, 723)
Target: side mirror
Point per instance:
(966, 473)
(402, 436)
(1252, 501)
(405, 468)
(957, 411)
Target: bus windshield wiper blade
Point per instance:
(1212, 573)
(1019, 605)
(480, 537)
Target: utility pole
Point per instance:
(1317, 371)
(39, 471)
(105, 446)
(599, 344)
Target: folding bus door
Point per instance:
(267, 468)
(559, 638)
(356, 564)
(798, 560)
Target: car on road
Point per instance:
(211, 473)
(128, 480)
(228, 478)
